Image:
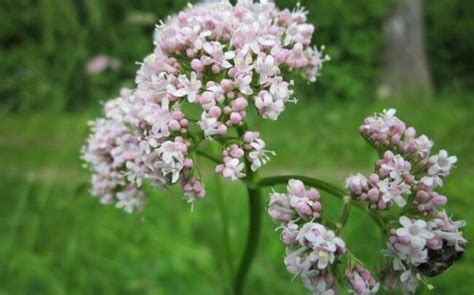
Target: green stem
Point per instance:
(346, 211)
(225, 223)
(255, 208)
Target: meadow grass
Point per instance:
(56, 239)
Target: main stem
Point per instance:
(255, 207)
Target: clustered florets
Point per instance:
(311, 247)
(219, 58)
(416, 244)
(405, 169)
(407, 175)
(422, 239)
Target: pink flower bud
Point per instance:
(222, 129)
(215, 112)
(220, 168)
(250, 136)
(197, 65)
(235, 118)
(174, 125)
(434, 243)
(313, 194)
(373, 194)
(188, 163)
(240, 104)
(184, 122)
(227, 110)
(216, 69)
(439, 200)
(422, 196)
(410, 132)
(237, 152)
(226, 85)
(374, 178)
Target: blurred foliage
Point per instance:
(351, 34)
(450, 43)
(45, 44)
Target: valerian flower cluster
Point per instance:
(212, 63)
(408, 175)
(422, 239)
(312, 249)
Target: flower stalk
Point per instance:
(255, 210)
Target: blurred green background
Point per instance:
(56, 239)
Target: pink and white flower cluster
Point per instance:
(406, 172)
(416, 242)
(311, 247)
(297, 203)
(311, 250)
(212, 63)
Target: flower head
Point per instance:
(221, 58)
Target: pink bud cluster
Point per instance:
(406, 172)
(361, 281)
(219, 60)
(297, 203)
(411, 245)
(232, 167)
(386, 186)
(311, 247)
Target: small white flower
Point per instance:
(417, 231)
(172, 156)
(259, 155)
(423, 145)
(268, 106)
(188, 87)
(130, 199)
(412, 255)
(266, 67)
(323, 242)
(447, 229)
(410, 280)
(280, 88)
(217, 55)
(356, 183)
(397, 168)
(233, 169)
(297, 262)
(393, 190)
(209, 125)
(242, 82)
(441, 163)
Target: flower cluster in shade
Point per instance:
(312, 248)
(407, 173)
(415, 243)
(212, 64)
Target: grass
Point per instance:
(56, 239)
